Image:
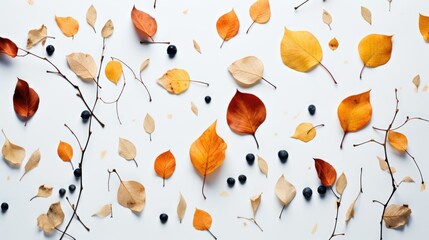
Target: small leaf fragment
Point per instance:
(13, 154)
(91, 16)
(416, 81)
(341, 184)
(424, 26)
(327, 18)
(37, 35)
(107, 29)
(333, 44)
(366, 14)
(196, 46)
(32, 162)
(407, 179)
(181, 208)
(194, 108)
(396, 216)
(263, 166)
(104, 211)
(422, 187)
(255, 201)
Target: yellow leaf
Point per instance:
(396, 216)
(424, 26)
(181, 208)
(207, 153)
(13, 154)
(202, 220)
(44, 191)
(65, 151)
(260, 12)
(104, 211)
(32, 162)
(398, 141)
(132, 195)
(263, 166)
(227, 26)
(327, 18)
(247, 71)
(68, 25)
(49, 221)
(175, 80)
(341, 184)
(164, 165)
(366, 14)
(83, 65)
(113, 71)
(149, 125)
(196, 46)
(333, 44)
(354, 113)
(37, 35)
(91, 16)
(375, 50)
(107, 29)
(305, 132)
(255, 201)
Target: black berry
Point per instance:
(62, 192)
(230, 181)
(77, 172)
(163, 217)
(85, 115)
(307, 192)
(171, 51)
(208, 99)
(242, 179)
(283, 155)
(321, 190)
(72, 188)
(4, 207)
(50, 50)
(250, 158)
(312, 109)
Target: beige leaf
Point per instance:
(425, 88)
(44, 191)
(366, 14)
(416, 81)
(285, 191)
(37, 35)
(396, 216)
(32, 162)
(104, 211)
(107, 29)
(341, 184)
(149, 125)
(263, 166)
(83, 65)
(327, 18)
(314, 229)
(13, 154)
(52, 219)
(196, 46)
(351, 210)
(144, 64)
(132, 195)
(91, 16)
(305, 132)
(127, 150)
(194, 108)
(384, 166)
(255, 201)
(247, 71)
(422, 187)
(408, 179)
(181, 208)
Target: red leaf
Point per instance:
(8, 47)
(25, 100)
(326, 172)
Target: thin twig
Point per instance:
(77, 215)
(252, 220)
(77, 139)
(116, 101)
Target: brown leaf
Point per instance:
(144, 64)
(52, 219)
(396, 216)
(246, 112)
(263, 166)
(416, 81)
(325, 172)
(44, 191)
(255, 201)
(132, 195)
(144, 23)
(327, 18)
(422, 187)
(32, 162)
(181, 208)
(351, 210)
(341, 184)
(247, 71)
(164, 165)
(83, 65)
(25, 100)
(194, 108)
(37, 35)
(407, 179)
(333, 44)
(12, 154)
(104, 211)
(107, 29)
(91, 16)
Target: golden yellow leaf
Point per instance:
(207, 153)
(366, 14)
(341, 184)
(132, 195)
(65, 151)
(354, 113)
(127, 150)
(285, 192)
(107, 29)
(149, 125)
(424, 26)
(255, 201)
(396, 216)
(104, 211)
(164, 165)
(83, 65)
(37, 35)
(383, 165)
(44, 191)
(181, 208)
(305, 132)
(333, 44)
(227, 26)
(175, 80)
(91, 16)
(327, 18)
(13, 154)
(196, 46)
(202, 220)
(398, 141)
(52, 219)
(263, 166)
(375, 50)
(68, 25)
(260, 12)
(113, 71)
(247, 71)
(32, 162)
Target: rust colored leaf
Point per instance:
(65, 151)
(25, 100)
(354, 113)
(227, 26)
(144, 23)
(246, 112)
(398, 141)
(326, 172)
(207, 152)
(8, 47)
(164, 165)
(333, 44)
(68, 25)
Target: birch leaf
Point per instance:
(366, 14)
(104, 211)
(375, 50)
(65, 151)
(107, 29)
(91, 17)
(44, 191)
(37, 35)
(149, 125)
(197, 46)
(263, 166)
(255, 201)
(341, 184)
(396, 216)
(285, 191)
(305, 132)
(247, 71)
(68, 25)
(327, 18)
(416, 81)
(202, 220)
(260, 12)
(144, 64)
(144, 23)
(325, 171)
(227, 26)
(333, 44)
(25, 100)
(52, 219)
(13, 154)
(194, 108)
(127, 150)
(181, 208)
(175, 80)
(398, 141)
(132, 195)
(83, 65)
(384, 166)
(32, 162)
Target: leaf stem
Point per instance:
(417, 165)
(148, 42)
(281, 212)
(371, 140)
(223, 41)
(154, 4)
(137, 165)
(342, 140)
(296, 8)
(361, 71)
(208, 230)
(204, 183)
(314, 127)
(252, 220)
(329, 72)
(256, 140)
(77, 139)
(250, 27)
(274, 86)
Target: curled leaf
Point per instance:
(396, 216)
(227, 26)
(8, 47)
(83, 65)
(44, 191)
(366, 14)
(175, 80)
(144, 23)
(247, 71)
(127, 150)
(91, 16)
(32, 162)
(326, 172)
(255, 201)
(164, 165)
(132, 195)
(181, 208)
(49, 221)
(13, 154)
(65, 151)
(202, 220)
(407, 179)
(104, 211)
(149, 125)
(37, 35)
(424, 26)
(68, 25)
(305, 132)
(333, 44)
(327, 18)
(341, 184)
(113, 71)
(25, 100)
(375, 50)
(260, 12)
(398, 141)
(384, 166)
(107, 29)
(263, 166)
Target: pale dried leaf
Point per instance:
(104, 211)
(30, 2)
(263, 166)
(149, 125)
(181, 208)
(132, 195)
(83, 65)
(44, 191)
(366, 14)
(327, 18)
(196, 46)
(255, 201)
(422, 187)
(32, 162)
(91, 16)
(194, 108)
(37, 35)
(396, 216)
(341, 184)
(144, 64)
(127, 149)
(52, 219)
(285, 191)
(416, 81)
(314, 229)
(351, 210)
(107, 29)
(408, 179)
(13, 154)
(384, 166)
(425, 88)
(247, 71)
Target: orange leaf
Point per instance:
(260, 12)
(424, 26)
(207, 152)
(398, 141)
(165, 164)
(354, 113)
(246, 112)
(8, 47)
(65, 151)
(68, 25)
(326, 172)
(202, 220)
(144, 23)
(25, 100)
(227, 26)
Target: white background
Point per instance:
(177, 127)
